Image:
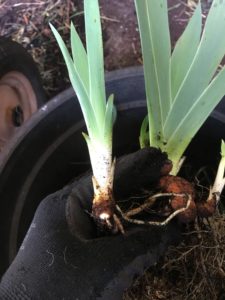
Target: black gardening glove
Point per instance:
(57, 261)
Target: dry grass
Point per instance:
(193, 270)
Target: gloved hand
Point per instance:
(57, 261)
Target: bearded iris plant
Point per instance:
(184, 87)
(86, 73)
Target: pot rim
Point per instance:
(57, 101)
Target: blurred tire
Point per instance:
(21, 91)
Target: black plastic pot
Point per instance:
(49, 151)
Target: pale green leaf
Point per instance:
(95, 58)
(196, 116)
(156, 48)
(222, 148)
(109, 119)
(210, 52)
(78, 86)
(79, 56)
(144, 133)
(87, 139)
(185, 50)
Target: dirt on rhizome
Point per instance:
(194, 269)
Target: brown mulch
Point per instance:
(27, 22)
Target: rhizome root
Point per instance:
(127, 216)
(194, 269)
(176, 198)
(169, 197)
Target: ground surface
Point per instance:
(195, 269)
(27, 22)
